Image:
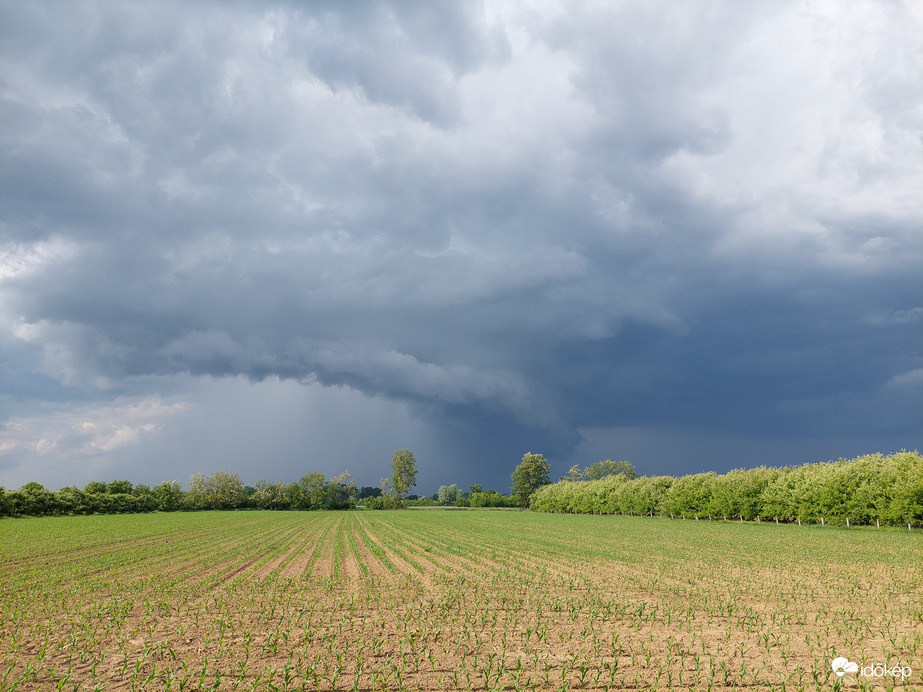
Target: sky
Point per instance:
(274, 238)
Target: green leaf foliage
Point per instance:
(404, 467)
(865, 490)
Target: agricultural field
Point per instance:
(445, 600)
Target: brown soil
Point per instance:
(449, 622)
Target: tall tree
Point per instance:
(531, 474)
(404, 467)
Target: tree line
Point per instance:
(866, 490)
(219, 491)
(394, 492)
(869, 489)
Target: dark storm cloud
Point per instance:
(516, 222)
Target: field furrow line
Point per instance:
(390, 555)
(309, 533)
(321, 563)
(433, 550)
(275, 553)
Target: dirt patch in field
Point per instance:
(298, 565)
(324, 559)
(376, 568)
(351, 569)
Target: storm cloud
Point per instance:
(277, 238)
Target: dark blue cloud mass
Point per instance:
(276, 238)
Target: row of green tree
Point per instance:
(475, 496)
(220, 490)
(865, 490)
(868, 489)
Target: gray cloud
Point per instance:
(516, 222)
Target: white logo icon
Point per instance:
(842, 665)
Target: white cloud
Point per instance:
(913, 378)
(18, 260)
(879, 318)
(809, 150)
(275, 430)
(86, 431)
